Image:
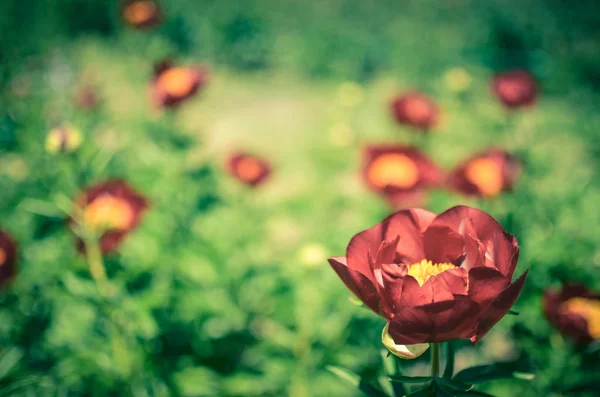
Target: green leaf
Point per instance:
(449, 370)
(426, 392)
(484, 373)
(356, 381)
(444, 387)
(9, 359)
(453, 384)
(410, 379)
(513, 313)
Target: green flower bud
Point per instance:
(407, 352)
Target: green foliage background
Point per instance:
(224, 290)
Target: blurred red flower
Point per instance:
(86, 97)
(486, 174)
(400, 173)
(172, 85)
(249, 169)
(112, 209)
(434, 278)
(574, 311)
(515, 88)
(8, 258)
(141, 13)
(416, 110)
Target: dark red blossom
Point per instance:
(434, 278)
(400, 173)
(515, 88)
(486, 174)
(416, 110)
(574, 311)
(249, 169)
(111, 209)
(8, 258)
(172, 84)
(141, 14)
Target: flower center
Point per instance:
(486, 174)
(140, 11)
(108, 212)
(2, 257)
(418, 109)
(421, 271)
(393, 169)
(588, 309)
(248, 168)
(176, 81)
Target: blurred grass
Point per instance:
(217, 296)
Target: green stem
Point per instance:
(97, 268)
(435, 359)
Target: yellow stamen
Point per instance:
(108, 212)
(140, 11)
(176, 81)
(588, 309)
(393, 169)
(2, 256)
(249, 168)
(486, 174)
(421, 271)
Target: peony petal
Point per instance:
(359, 249)
(485, 284)
(453, 319)
(473, 247)
(503, 245)
(442, 244)
(435, 322)
(499, 307)
(407, 352)
(411, 326)
(456, 280)
(358, 283)
(409, 225)
(413, 294)
(387, 251)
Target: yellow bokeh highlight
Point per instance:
(457, 79)
(350, 94)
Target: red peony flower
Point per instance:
(8, 258)
(575, 312)
(172, 85)
(416, 110)
(515, 88)
(434, 278)
(400, 173)
(249, 169)
(486, 174)
(141, 13)
(111, 208)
